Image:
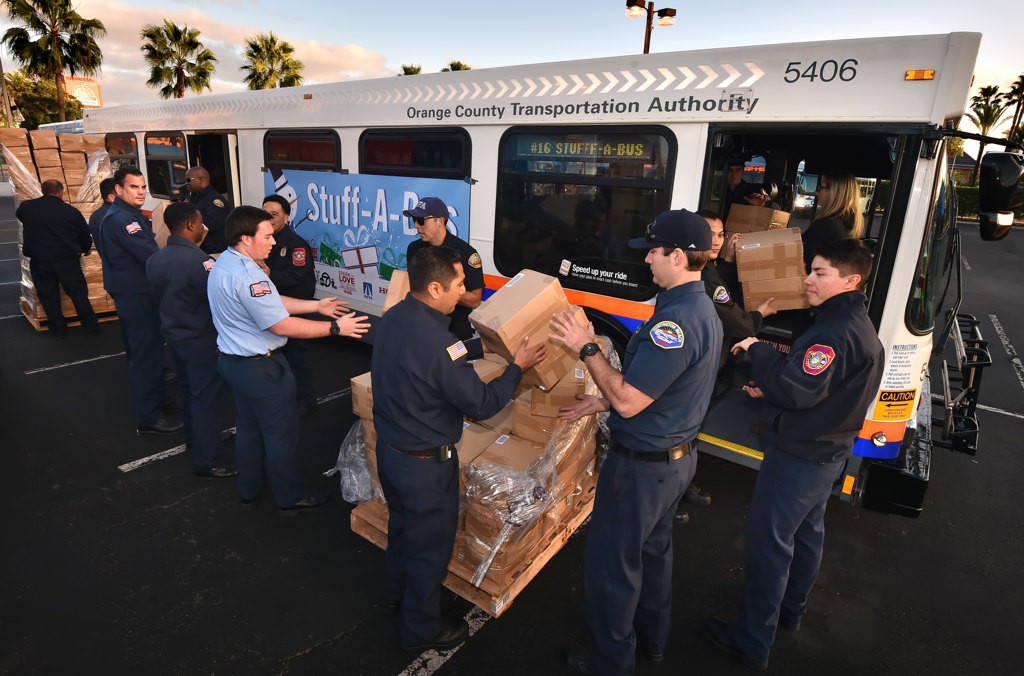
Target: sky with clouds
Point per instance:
(344, 40)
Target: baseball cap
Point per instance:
(680, 228)
(428, 206)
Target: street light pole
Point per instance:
(637, 8)
(650, 25)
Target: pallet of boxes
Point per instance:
(769, 258)
(527, 479)
(79, 162)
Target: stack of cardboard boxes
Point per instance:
(36, 156)
(524, 474)
(769, 260)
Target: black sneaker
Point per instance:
(309, 502)
(452, 633)
(217, 473)
(162, 426)
(720, 633)
(695, 495)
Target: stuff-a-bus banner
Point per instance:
(355, 225)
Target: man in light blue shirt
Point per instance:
(253, 322)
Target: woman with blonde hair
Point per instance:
(839, 216)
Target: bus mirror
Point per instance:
(1001, 190)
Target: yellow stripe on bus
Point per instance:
(731, 446)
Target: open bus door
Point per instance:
(217, 152)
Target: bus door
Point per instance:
(217, 152)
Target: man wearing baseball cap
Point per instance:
(657, 404)
(430, 216)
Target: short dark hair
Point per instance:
(432, 264)
(125, 172)
(695, 260)
(52, 186)
(107, 188)
(709, 213)
(178, 215)
(242, 221)
(849, 256)
(286, 207)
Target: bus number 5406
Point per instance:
(826, 72)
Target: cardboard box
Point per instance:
(523, 307)
(92, 143)
(501, 421)
(362, 396)
(14, 137)
(512, 453)
(48, 173)
(46, 157)
(73, 161)
(43, 139)
(746, 218)
(789, 293)
(563, 394)
(398, 287)
(775, 254)
(526, 424)
(488, 370)
(71, 143)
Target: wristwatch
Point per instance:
(335, 329)
(589, 350)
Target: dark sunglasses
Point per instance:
(420, 220)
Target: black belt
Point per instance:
(439, 453)
(674, 453)
(265, 355)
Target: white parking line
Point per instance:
(1000, 411)
(11, 316)
(432, 660)
(967, 265)
(1018, 367)
(72, 363)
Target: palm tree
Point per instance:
(455, 65)
(177, 60)
(1015, 98)
(54, 39)
(270, 63)
(987, 108)
(409, 69)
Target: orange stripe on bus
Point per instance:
(613, 306)
(894, 431)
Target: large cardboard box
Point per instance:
(14, 137)
(46, 157)
(788, 293)
(512, 453)
(523, 307)
(774, 254)
(48, 173)
(501, 421)
(398, 287)
(362, 396)
(526, 424)
(746, 218)
(563, 394)
(93, 142)
(75, 161)
(43, 138)
(488, 370)
(71, 143)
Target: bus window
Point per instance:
(166, 163)
(306, 149)
(123, 150)
(427, 153)
(569, 198)
(935, 264)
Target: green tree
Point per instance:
(177, 59)
(53, 39)
(955, 146)
(455, 65)
(987, 113)
(1015, 98)
(270, 63)
(36, 98)
(409, 69)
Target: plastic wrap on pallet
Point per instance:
(351, 465)
(24, 180)
(97, 168)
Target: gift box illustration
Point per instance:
(363, 258)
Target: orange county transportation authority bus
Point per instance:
(561, 163)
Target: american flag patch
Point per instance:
(457, 350)
(208, 264)
(259, 289)
(133, 228)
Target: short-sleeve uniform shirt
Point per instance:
(244, 304)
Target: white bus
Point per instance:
(566, 161)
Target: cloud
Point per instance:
(124, 74)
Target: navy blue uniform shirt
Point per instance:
(178, 275)
(214, 208)
(423, 382)
(472, 267)
(737, 323)
(52, 229)
(817, 395)
(95, 225)
(128, 242)
(672, 358)
(291, 265)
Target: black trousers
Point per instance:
(49, 276)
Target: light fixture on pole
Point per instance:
(636, 9)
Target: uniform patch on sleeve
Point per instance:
(721, 295)
(259, 289)
(208, 264)
(299, 258)
(133, 228)
(818, 358)
(474, 260)
(284, 252)
(218, 203)
(668, 335)
(457, 350)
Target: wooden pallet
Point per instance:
(43, 324)
(369, 521)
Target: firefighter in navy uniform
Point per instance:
(211, 204)
(290, 267)
(657, 405)
(423, 384)
(430, 216)
(815, 397)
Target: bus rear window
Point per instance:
(570, 199)
(427, 153)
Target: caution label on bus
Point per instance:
(894, 405)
